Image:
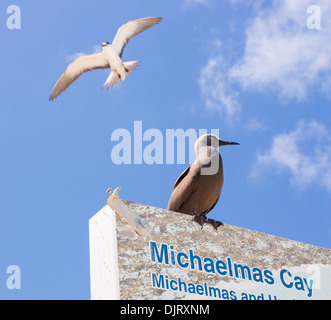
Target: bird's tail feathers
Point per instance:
(114, 77)
(112, 80)
(130, 66)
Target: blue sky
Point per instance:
(252, 69)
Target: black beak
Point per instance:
(227, 143)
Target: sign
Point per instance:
(142, 252)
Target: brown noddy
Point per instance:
(199, 187)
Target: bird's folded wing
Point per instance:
(131, 29)
(184, 187)
(76, 69)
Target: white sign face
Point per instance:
(156, 254)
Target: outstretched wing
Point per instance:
(76, 69)
(131, 29)
(184, 187)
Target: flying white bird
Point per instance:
(109, 58)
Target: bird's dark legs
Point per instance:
(199, 219)
(202, 220)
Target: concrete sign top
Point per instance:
(142, 252)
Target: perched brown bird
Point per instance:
(199, 187)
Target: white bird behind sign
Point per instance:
(109, 58)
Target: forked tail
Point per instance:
(114, 77)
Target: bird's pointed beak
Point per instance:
(227, 143)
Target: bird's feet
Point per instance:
(214, 223)
(199, 219)
(202, 220)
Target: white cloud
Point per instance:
(192, 3)
(305, 153)
(216, 91)
(283, 54)
(70, 58)
(254, 125)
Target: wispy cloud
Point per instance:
(282, 54)
(193, 3)
(305, 153)
(254, 125)
(71, 57)
(216, 91)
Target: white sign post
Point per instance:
(141, 252)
